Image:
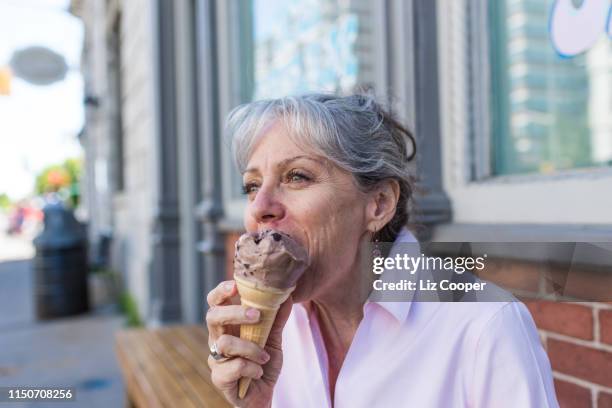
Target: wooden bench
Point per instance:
(167, 367)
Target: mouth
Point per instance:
(276, 234)
(277, 237)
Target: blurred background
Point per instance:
(119, 203)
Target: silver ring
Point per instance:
(215, 353)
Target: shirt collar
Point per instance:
(399, 310)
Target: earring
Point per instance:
(376, 252)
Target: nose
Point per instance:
(267, 207)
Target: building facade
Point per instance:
(514, 142)
(118, 138)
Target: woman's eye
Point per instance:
(249, 188)
(296, 177)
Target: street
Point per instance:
(66, 352)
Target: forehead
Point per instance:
(275, 144)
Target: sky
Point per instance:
(39, 124)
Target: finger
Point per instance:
(233, 346)
(224, 375)
(223, 292)
(220, 316)
(212, 363)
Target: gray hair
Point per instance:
(354, 132)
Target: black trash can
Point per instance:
(60, 265)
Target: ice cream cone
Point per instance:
(267, 266)
(267, 300)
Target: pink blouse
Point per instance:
(421, 354)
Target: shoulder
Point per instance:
(507, 361)
(510, 331)
(494, 321)
(489, 320)
(503, 358)
(469, 317)
(485, 316)
(477, 328)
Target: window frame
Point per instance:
(228, 97)
(466, 116)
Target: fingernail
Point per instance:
(229, 286)
(252, 314)
(264, 357)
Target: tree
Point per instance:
(5, 201)
(62, 178)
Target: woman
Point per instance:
(333, 172)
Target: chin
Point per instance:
(303, 289)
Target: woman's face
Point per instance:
(298, 192)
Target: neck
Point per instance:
(338, 317)
(339, 308)
(341, 302)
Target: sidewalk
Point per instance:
(14, 248)
(75, 351)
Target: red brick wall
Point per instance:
(574, 335)
(577, 336)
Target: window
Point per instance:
(550, 113)
(280, 47)
(527, 135)
(315, 45)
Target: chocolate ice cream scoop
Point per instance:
(270, 258)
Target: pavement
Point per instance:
(66, 352)
(15, 247)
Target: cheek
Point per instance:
(318, 216)
(249, 222)
(333, 221)
(334, 234)
(328, 205)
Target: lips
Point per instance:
(291, 235)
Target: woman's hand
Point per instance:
(246, 359)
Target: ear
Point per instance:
(382, 204)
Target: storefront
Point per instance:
(513, 123)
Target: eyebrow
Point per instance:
(285, 162)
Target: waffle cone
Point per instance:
(267, 300)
